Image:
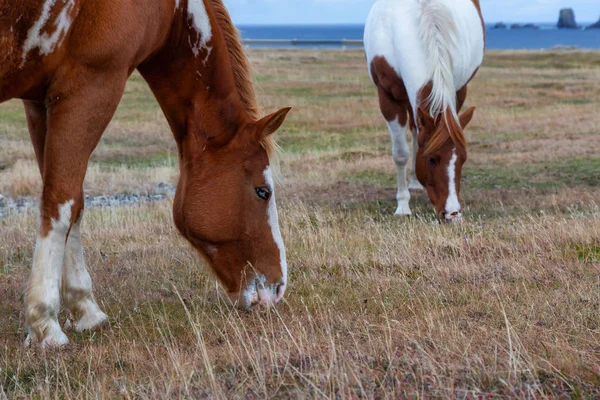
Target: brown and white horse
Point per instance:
(69, 61)
(421, 55)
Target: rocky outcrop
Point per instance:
(500, 25)
(526, 26)
(594, 26)
(566, 19)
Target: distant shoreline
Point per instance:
(543, 36)
(488, 24)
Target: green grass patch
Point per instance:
(303, 139)
(577, 102)
(588, 252)
(374, 177)
(577, 172)
(148, 160)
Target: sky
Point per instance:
(277, 12)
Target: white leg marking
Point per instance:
(414, 182)
(77, 285)
(197, 12)
(274, 224)
(44, 41)
(452, 204)
(43, 295)
(400, 153)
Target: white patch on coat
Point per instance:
(274, 224)
(47, 43)
(201, 23)
(176, 4)
(43, 296)
(452, 204)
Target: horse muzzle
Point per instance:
(454, 217)
(259, 292)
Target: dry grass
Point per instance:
(506, 305)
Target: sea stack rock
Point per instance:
(566, 20)
(500, 25)
(595, 26)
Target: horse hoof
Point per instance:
(416, 186)
(92, 322)
(403, 211)
(54, 338)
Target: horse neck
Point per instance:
(192, 78)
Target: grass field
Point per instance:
(505, 305)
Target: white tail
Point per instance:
(440, 38)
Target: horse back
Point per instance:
(393, 32)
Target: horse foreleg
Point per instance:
(76, 290)
(75, 123)
(396, 115)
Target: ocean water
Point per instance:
(544, 38)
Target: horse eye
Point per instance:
(432, 161)
(263, 192)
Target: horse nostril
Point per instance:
(280, 289)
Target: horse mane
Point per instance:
(448, 128)
(440, 37)
(439, 34)
(240, 67)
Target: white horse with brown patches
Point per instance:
(421, 55)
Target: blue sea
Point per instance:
(544, 38)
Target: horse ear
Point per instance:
(466, 117)
(269, 124)
(424, 118)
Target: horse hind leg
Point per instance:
(396, 115)
(75, 124)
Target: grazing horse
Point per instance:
(69, 60)
(421, 55)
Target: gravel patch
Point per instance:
(163, 191)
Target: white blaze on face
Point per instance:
(452, 204)
(201, 23)
(274, 224)
(47, 43)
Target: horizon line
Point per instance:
(363, 23)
